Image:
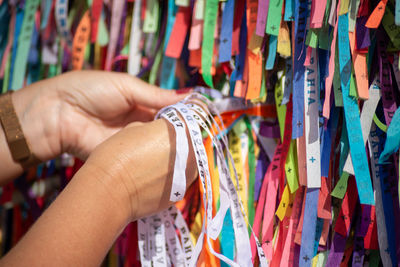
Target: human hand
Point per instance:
(139, 161)
(76, 111)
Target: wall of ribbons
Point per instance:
(308, 91)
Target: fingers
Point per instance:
(134, 90)
(149, 95)
(140, 113)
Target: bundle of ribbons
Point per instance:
(306, 170)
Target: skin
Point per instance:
(104, 118)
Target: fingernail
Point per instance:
(184, 90)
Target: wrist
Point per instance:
(32, 114)
(37, 112)
(140, 160)
(127, 161)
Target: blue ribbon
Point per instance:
(225, 41)
(352, 115)
(273, 43)
(167, 79)
(227, 236)
(309, 227)
(298, 68)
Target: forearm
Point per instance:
(79, 227)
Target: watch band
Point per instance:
(16, 140)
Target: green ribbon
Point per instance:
(252, 174)
(207, 46)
